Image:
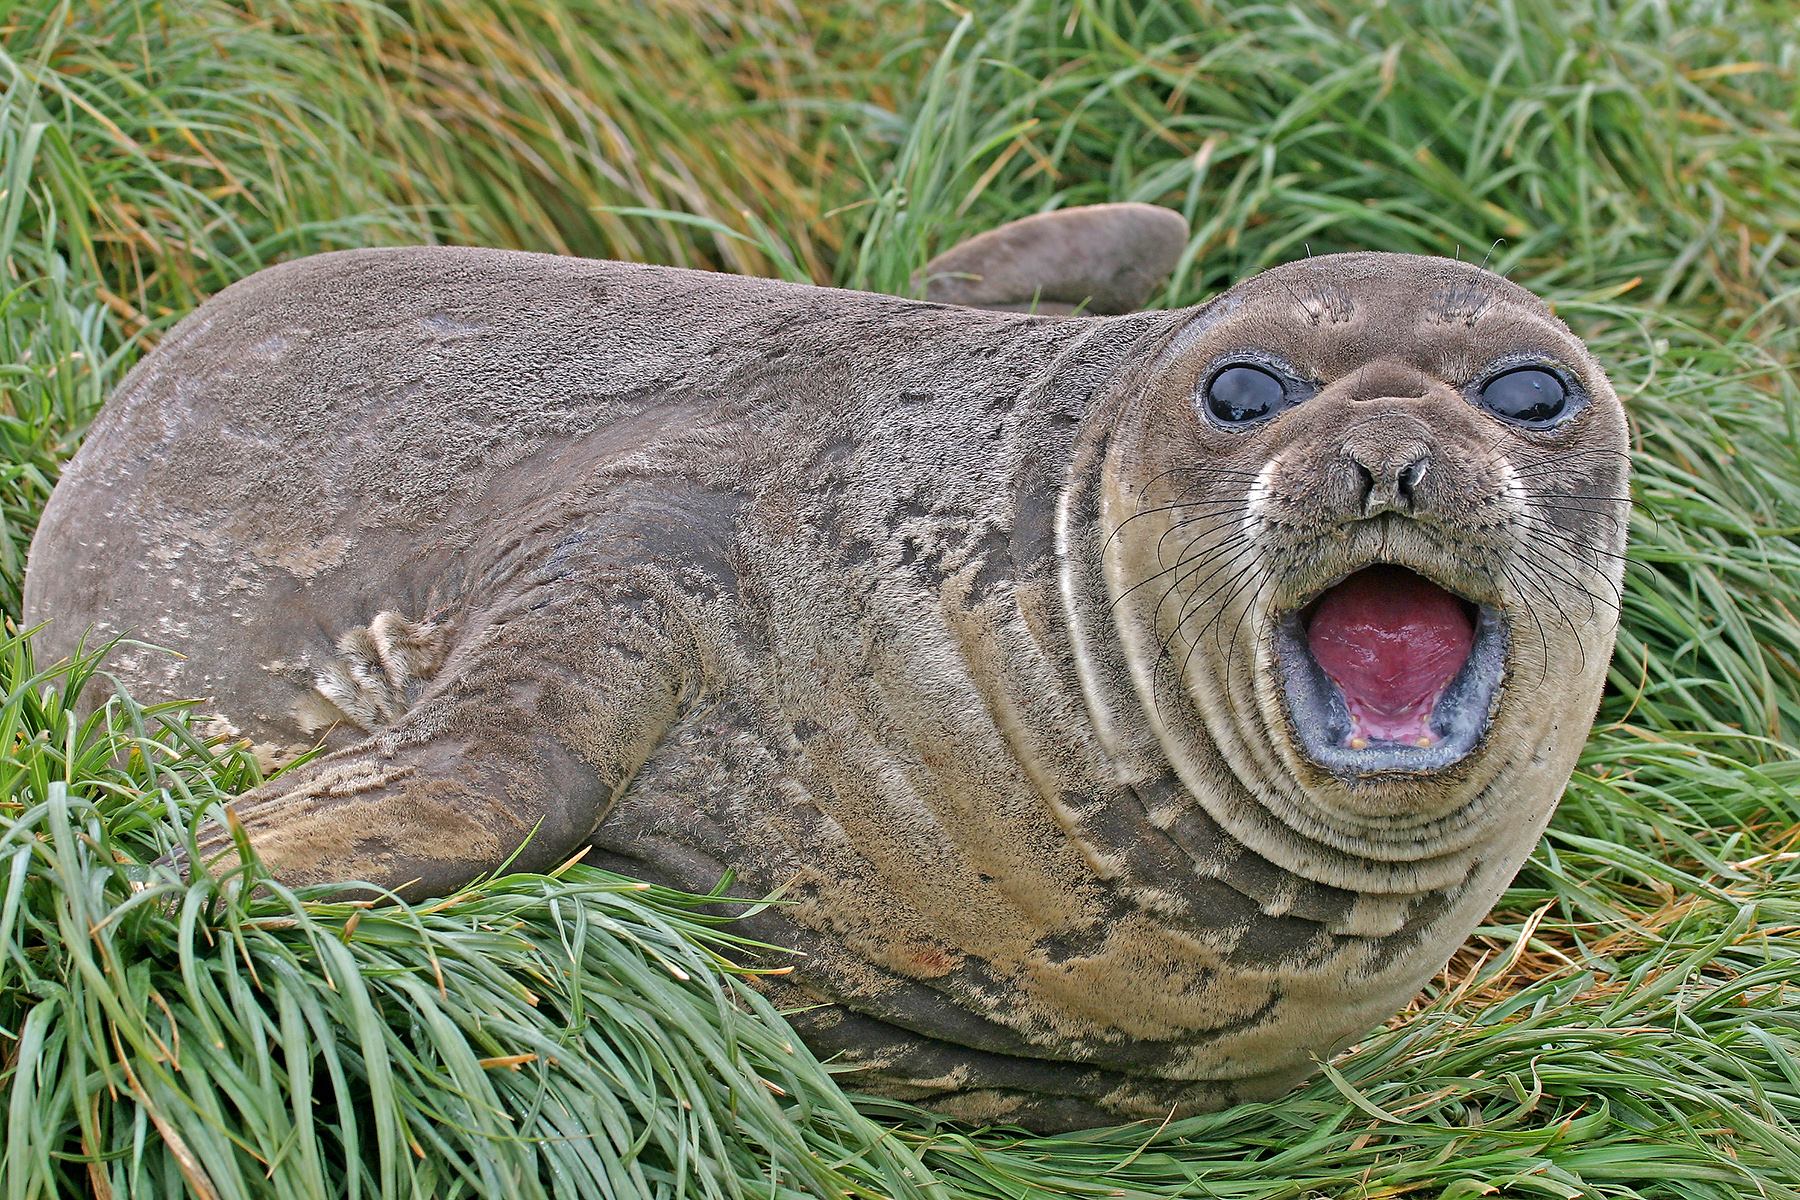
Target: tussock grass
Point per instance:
(146, 163)
(152, 154)
(1588, 144)
(1627, 1023)
(529, 126)
(576, 1033)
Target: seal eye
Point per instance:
(1529, 394)
(1238, 394)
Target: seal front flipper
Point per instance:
(379, 671)
(426, 817)
(538, 718)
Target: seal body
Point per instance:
(981, 634)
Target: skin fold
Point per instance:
(962, 627)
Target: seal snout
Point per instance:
(1389, 470)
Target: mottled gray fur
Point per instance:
(954, 624)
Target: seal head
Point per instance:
(1365, 526)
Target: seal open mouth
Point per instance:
(1387, 671)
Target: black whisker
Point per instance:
(1179, 563)
(1150, 512)
(1213, 557)
(1545, 525)
(1573, 508)
(1543, 638)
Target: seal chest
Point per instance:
(1135, 709)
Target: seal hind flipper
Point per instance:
(1098, 259)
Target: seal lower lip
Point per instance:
(1386, 671)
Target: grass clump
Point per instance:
(569, 1034)
(530, 126)
(151, 154)
(1588, 145)
(1627, 1023)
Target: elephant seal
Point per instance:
(1135, 710)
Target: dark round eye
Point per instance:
(1239, 394)
(1528, 394)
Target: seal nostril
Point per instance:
(1410, 477)
(1387, 475)
(1365, 482)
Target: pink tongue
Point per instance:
(1392, 641)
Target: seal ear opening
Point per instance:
(1099, 259)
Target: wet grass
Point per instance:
(1625, 1025)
